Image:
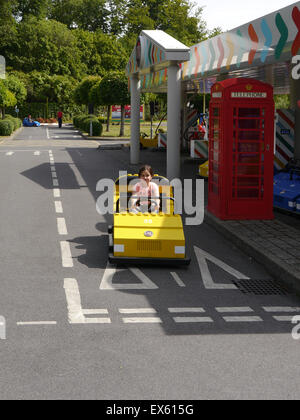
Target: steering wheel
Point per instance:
(150, 202)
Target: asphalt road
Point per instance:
(75, 328)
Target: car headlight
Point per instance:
(119, 248)
(179, 250)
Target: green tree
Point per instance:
(7, 98)
(89, 15)
(45, 46)
(100, 52)
(113, 90)
(82, 92)
(17, 87)
(179, 18)
(8, 26)
(38, 8)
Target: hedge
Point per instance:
(83, 123)
(6, 127)
(9, 125)
(16, 121)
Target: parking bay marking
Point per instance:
(201, 256)
(76, 314)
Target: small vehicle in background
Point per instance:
(29, 122)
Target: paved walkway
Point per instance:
(272, 243)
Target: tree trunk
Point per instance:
(108, 118)
(91, 108)
(122, 125)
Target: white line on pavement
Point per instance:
(196, 320)
(95, 311)
(58, 207)
(56, 193)
(186, 310)
(37, 153)
(97, 321)
(142, 320)
(242, 319)
(54, 175)
(232, 310)
(9, 153)
(47, 131)
(67, 260)
(37, 323)
(178, 280)
(284, 318)
(75, 313)
(138, 311)
(61, 226)
(280, 309)
(55, 183)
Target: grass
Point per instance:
(114, 129)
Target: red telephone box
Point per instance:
(241, 150)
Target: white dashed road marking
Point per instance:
(233, 310)
(142, 321)
(58, 207)
(61, 226)
(67, 261)
(242, 319)
(195, 320)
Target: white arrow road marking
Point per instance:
(76, 314)
(208, 282)
(110, 271)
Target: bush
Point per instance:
(77, 120)
(13, 120)
(83, 123)
(17, 123)
(6, 127)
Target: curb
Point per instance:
(281, 272)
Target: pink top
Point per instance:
(142, 190)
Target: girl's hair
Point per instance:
(146, 168)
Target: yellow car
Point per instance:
(146, 238)
(204, 170)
